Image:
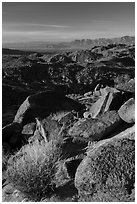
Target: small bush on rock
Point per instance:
(32, 170)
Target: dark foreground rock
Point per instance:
(43, 104)
(11, 135)
(107, 173)
(127, 111)
(95, 129)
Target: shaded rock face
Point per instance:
(127, 111)
(72, 166)
(11, 135)
(108, 171)
(98, 106)
(95, 129)
(44, 103)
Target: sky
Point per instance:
(66, 21)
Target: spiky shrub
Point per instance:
(32, 170)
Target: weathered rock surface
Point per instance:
(102, 105)
(96, 129)
(44, 103)
(97, 107)
(127, 111)
(107, 173)
(110, 99)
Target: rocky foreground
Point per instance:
(86, 126)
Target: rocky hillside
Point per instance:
(69, 126)
(71, 72)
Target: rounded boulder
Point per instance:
(107, 173)
(127, 111)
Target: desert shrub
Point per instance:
(32, 170)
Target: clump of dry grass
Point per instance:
(32, 170)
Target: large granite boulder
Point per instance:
(96, 129)
(44, 103)
(127, 111)
(107, 173)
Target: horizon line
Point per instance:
(50, 41)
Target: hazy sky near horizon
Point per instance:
(66, 21)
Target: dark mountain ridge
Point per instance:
(74, 45)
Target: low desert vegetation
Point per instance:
(32, 170)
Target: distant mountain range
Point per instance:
(7, 51)
(74, 45)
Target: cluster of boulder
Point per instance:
(98, 133)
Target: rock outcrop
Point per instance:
(107, 173)
(109, 99)
(43, 104)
